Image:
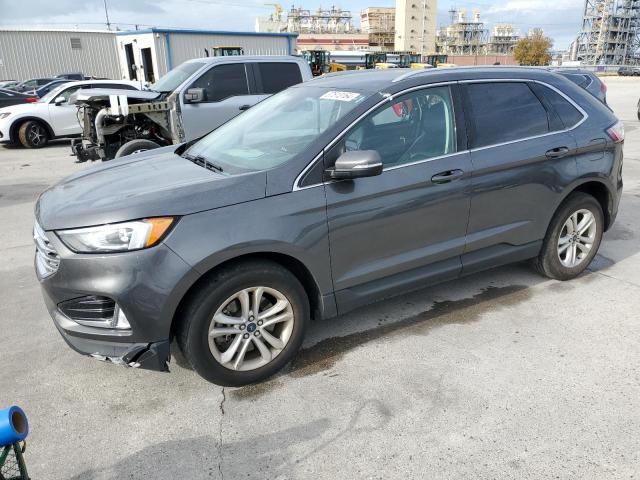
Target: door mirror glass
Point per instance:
(194, 95)
(356, 164)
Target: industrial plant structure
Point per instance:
(380, 24)
(416, 26)
(610, 32)
(469, 36)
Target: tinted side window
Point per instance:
(569, 115)
(278, 76)
(507, 111)
(416, 126)
(222, 82)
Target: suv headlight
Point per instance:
(4, 115)
(117, 237)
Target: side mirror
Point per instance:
(59, 101)
(356, 164)
(194, 95)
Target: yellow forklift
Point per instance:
(371, 60)
(319, 61)
(226, 51)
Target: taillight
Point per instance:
(603, 87)
(32, 99)
(616, 132)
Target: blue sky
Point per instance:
(561, 19)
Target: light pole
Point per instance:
(106, 14)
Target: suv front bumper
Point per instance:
(146, 285)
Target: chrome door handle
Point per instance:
(446, 177)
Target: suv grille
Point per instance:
(47, 259)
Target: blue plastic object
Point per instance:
(14, 426)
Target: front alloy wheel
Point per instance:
(251, 328)
(243, 323)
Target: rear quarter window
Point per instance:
(569, 115)
(276, 76)
(504, 112)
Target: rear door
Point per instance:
(226, 94)
(273, 77)
(522, 157)
(399, 229)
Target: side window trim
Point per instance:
(469, 111)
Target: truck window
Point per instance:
(223, 81)
(278, 76)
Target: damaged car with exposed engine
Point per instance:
(188, 102)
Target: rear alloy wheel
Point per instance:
(244, 324)
(573, 238)
(33, 134)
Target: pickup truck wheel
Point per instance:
(33, 134)
(244, 324)
(136, 146)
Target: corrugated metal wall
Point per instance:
(28, 54)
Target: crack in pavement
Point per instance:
(224, 399)
(614, 278)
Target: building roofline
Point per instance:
(59, 30)
(206, 32)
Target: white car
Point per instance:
(51, 117)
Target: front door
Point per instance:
(64, 116)
(397, 230)
(226, 94)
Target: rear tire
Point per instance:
(205, 341)
(573, 238)
(136, 146)
(33, 134)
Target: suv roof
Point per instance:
(378, 79)
(247, 58)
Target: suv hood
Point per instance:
(24, 108)
(152, 184)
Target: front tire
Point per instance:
(136, 146)
(244, 324)
(33, 134)
(573, 238)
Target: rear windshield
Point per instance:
(176, 77)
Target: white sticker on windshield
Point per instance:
(340, 96)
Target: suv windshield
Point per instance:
(175, 77)
(277, 129)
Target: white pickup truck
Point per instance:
(191, 100)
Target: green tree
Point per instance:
(534, 49)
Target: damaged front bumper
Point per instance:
(148, 356)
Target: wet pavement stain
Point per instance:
(619, 232)
(20, 193)
(325, 354)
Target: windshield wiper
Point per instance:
(203, 162)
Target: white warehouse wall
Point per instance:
(27, 54)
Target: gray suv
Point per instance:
(327, 196)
